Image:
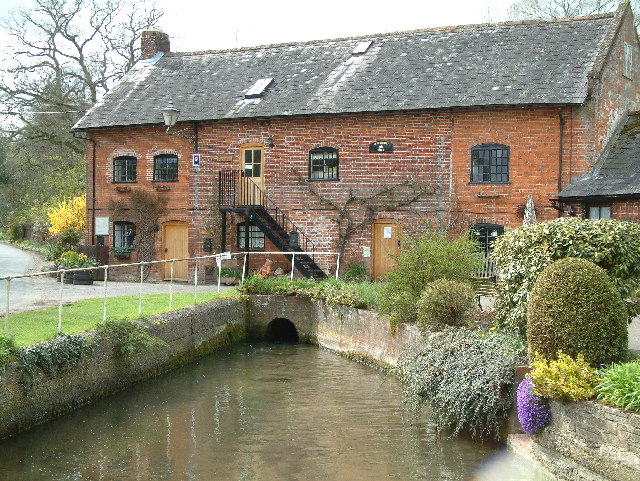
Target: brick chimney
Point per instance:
(152, 42)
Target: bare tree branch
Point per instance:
(62, 56)
(542, 9)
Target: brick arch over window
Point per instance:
(490, 164)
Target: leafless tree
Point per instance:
(540, 9)
(62, 56)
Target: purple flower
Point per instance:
(533, 412)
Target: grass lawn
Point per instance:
(36, 326)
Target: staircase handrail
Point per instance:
(286, 220)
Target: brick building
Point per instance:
(612, 188)
(351, 142)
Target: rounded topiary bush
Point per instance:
(575, 308)
(447, 302)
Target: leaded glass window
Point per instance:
(323, 163)
(124, 169)
(165, 168)
(490, 163)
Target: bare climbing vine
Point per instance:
(360, 206)
(213, 218)
(143, 209)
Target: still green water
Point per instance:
(253, 412)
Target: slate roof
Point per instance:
(617, 172)
(535, 62)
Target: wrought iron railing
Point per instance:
(238, 191)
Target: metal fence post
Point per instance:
(140, 291)
(219, 266)
(293, 264)
(171, 287)
(244, 268)
(6, 315)
(60, 304)
(195, 282)
(104, 300)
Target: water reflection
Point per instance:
(250, 413)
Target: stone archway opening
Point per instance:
(282, 331)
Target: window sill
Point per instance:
(154, 180)
(333, 179)
(489, 183)
(162, 188)
(123, 188)
(487, 196)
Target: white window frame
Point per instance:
(599, 212)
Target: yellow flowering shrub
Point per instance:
(70, 213)
(564, 378)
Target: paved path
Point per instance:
(44, 291)
(13, 262)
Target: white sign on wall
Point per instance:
(387, 232)
(102, 226)
(366, 252)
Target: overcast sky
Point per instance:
(229, 24)
(207, 25)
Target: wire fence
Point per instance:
(196, 276)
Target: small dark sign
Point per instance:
(381, 147)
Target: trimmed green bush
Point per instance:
(466, 377)
(620, 385)
(432, 256)
(521, 254)
(445, 302)
(563, 378)
(575, 308)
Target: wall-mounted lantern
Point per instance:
(170, 114)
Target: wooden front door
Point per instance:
(176, 246)
(251, 175)
(386, 245)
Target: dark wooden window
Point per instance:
(323, 163)
(123, 235)
(165, 168)
(490, 164)
(256, 237)
(124, 169)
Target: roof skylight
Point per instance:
(362, 47)
(258, 88)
